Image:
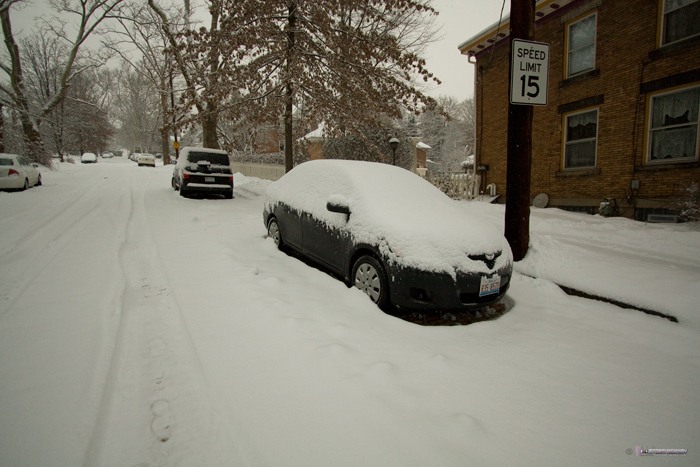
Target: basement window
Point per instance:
(681, 20)
(580, 139)
(580, 40)
(673, 131)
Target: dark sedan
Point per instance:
(390, 233)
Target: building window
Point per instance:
(673, 130)
(581, 136)
(581, 46)
(681, 20)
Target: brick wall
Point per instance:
(627, 60)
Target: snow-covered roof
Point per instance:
(422, 145)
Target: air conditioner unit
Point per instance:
(668, 218)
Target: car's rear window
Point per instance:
(6, 162)
(213, 158)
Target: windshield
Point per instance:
(213, 158)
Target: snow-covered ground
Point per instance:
(141, 328)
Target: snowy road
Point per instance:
(140, 328)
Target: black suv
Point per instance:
(203, 170)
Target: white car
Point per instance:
(18, 172)
(107, 155)
(146, 159)
(88, 158)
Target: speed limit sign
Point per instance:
(529, 71)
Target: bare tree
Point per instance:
(90, 14)
(140, 29)
(204, 72)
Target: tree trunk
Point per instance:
(210, 138)
(165, 127)
(289, 94)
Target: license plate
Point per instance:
(489, 285)
(209, 179)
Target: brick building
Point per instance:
(623, 98)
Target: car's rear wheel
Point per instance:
(172, 183)
(38, 181)
(368, 275)
(273, 231)
(228, 194)
(26, 184)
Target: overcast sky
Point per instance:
(460, 20)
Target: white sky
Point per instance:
(460, 20)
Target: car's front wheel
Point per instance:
(38, 181)
(172, 183)
(368, 275)
(273, 231)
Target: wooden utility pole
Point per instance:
(517, 217)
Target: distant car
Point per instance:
(146, 159)
(88, 158)
(159, 155)
(390, 233)
(203, 170)
(107, 155)
(18, 172)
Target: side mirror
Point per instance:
(338, 204)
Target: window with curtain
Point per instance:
(673, 132)
(581, 46)
(580, 139)
(681, 20)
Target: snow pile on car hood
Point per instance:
(412, 222)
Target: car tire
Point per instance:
(38, 181)
(274, 232)
(26, 184)
(369, 276)
(172, 183)
(228, 194)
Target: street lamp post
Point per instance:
(394, 143)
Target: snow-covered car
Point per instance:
(88, 158)
(203, 170)
(146, 159)
(107, 155)
(18, 172)
(390, 233)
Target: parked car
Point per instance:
(203, 170)
(18, 172)
(88, 158)
(107, 155)
(146, 159)
(390, 233)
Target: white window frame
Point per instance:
(662, 39)
(569, 52)
(651, 130)
(568, 143)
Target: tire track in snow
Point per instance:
(157, 408)
(39, 249)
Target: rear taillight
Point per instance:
(230, 179)
(12, 172)
(185, 175)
